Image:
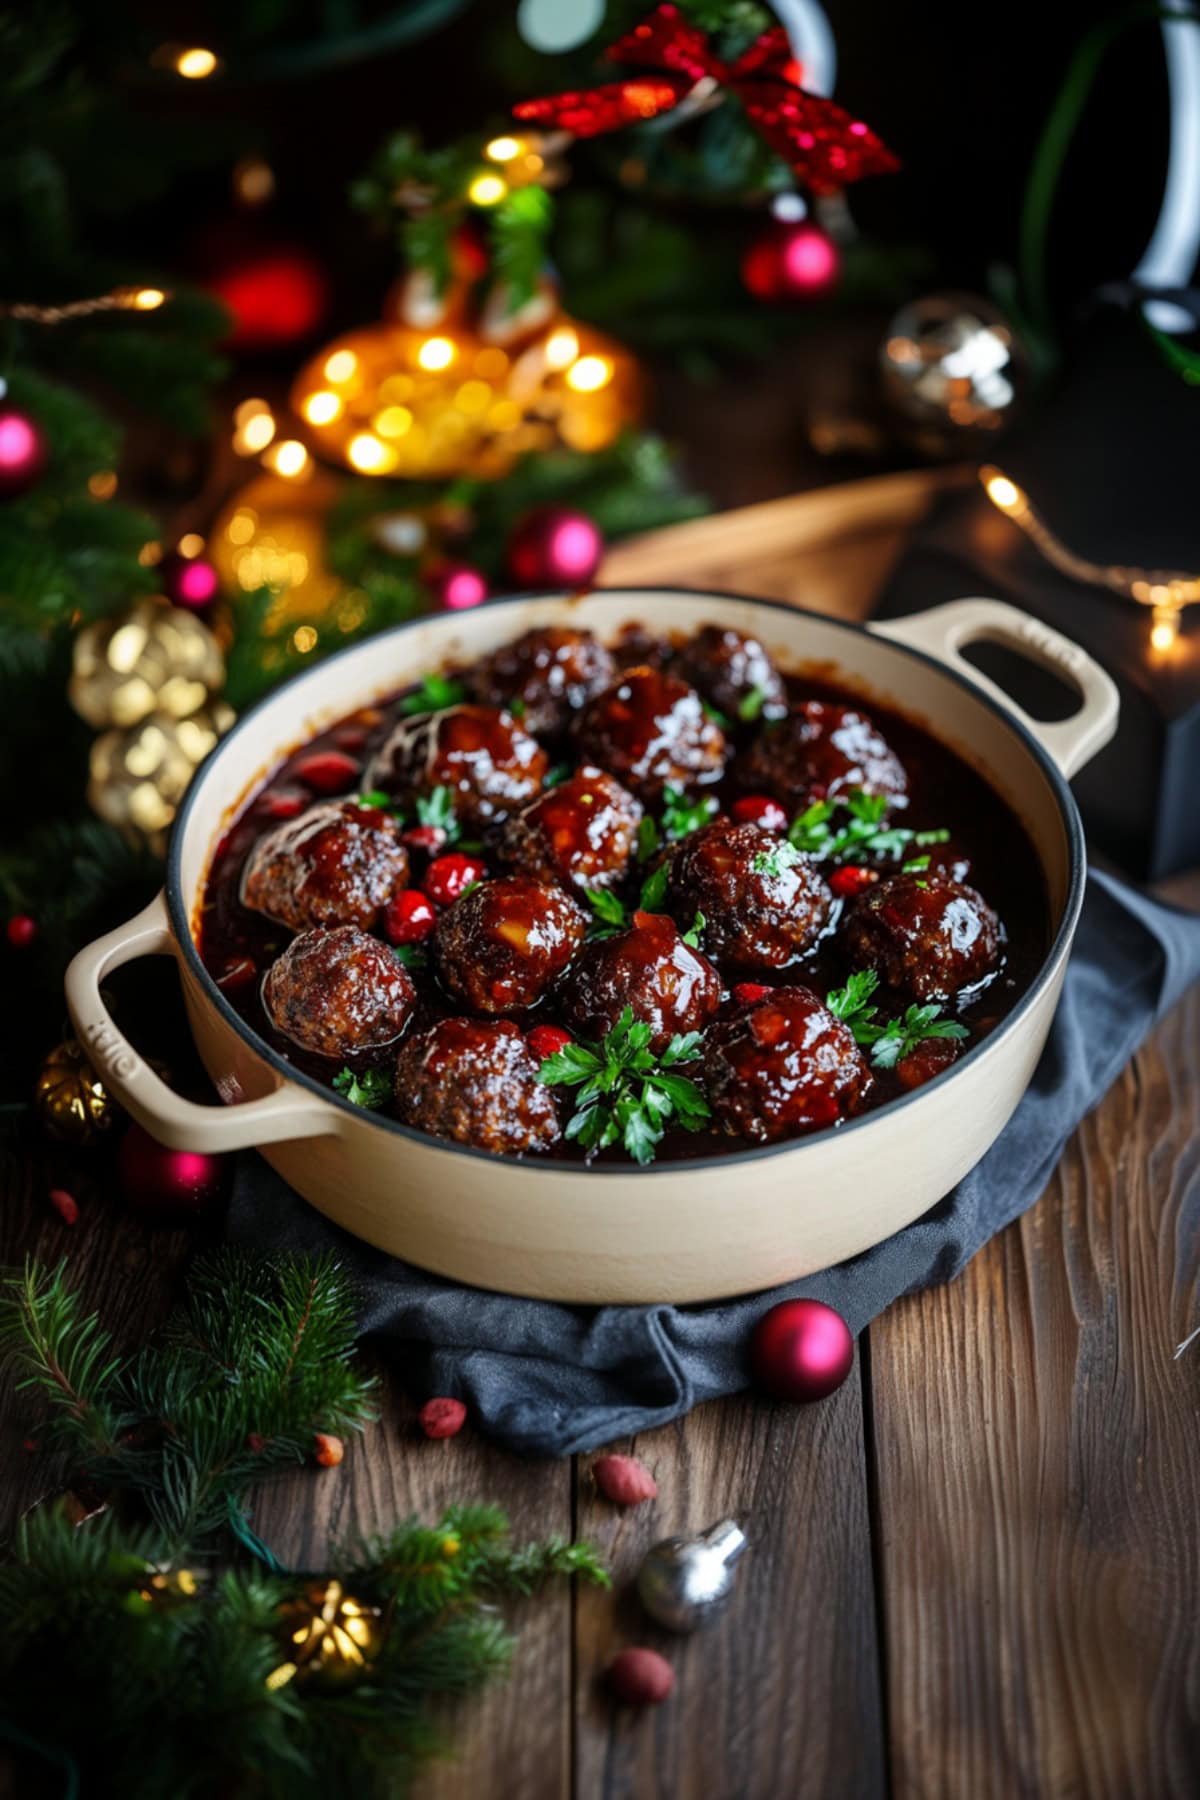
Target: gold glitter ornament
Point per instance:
(272, 535)
(71, 1099)
(331, 1636)
(151, 658)
(139, 776)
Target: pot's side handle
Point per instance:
(180, 1124)
(943, 630)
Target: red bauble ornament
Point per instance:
(158, 1182)
(23, 451)
(555, 547)
(277, 298)
(21, 930)
(189, 581)
(456, 586)
(791, 262)
(801, 1350)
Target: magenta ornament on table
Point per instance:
(554, 546)
(168, 1184)
(456, 586)
(801, 1350)
(23, 451)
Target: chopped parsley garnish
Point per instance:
(648, 838)
(433, 693)
(863, 833)
(559, 773)
(715, 714)
(681, 815)
(611, 915)
(413, 956)
(516, 707)
(654, 889)
(376, 798)
(750, 706)
(626, 1094)
(691, 936)
(437, 809)
(776, 861)
(372, 1089)
(891, 1040)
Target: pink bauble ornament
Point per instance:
(796, 261)
(23, 451)
(554, 547)
(159, 1182)
(801, 1350)
(189, 581)
(456, 586)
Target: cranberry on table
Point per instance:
(820, 751)
(581, 833)
(760, 809)
(409, 918)
(337, 864)
(489, 762)
(764, 903)
(783, 1067)
(548, 672)
(648, 967)
(475, 1081)
(443, 1417)
(500, 946)
(338, 993)
(733, 672)
(450, 876)
(926, 936)
(650, 729)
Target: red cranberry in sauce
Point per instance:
(338, 993)
(821, 751)
(760, 809)
(544, 677)
(490, 763)
(327, 771)
(734, 674)
(409, 917)
(649, 729)
(475, 1081)
(581, 833)
(501, 945)
(783, 1067)
(649, 968)
(926, 936)
(763, 902)
(337, 864)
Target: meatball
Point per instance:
(500, 946)
(476, 1082)
(733, 672)
(581, 833)
(650, 729)
(649, 968)
(925, 935)
(545, 676)
(821, 751)
(763, 902)
(337, 864)
(784, 1066)
(490, 764)
(338, 993)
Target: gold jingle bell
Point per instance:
(139, 776)
(151, 658)
(71, 1099)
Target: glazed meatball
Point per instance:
(821, 751)
(784, 1066)
(926, 936)
(650, 729)
(489, 763)
(733, 672)
(337, 864)
(545, 676)
(338, 993)
(649, 968)
(763, 902)
(499, 947)
(581, 833)
(476, 1082)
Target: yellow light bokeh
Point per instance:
(196, 64)
(1165, 628)
(305, 638)
(322, 407)
(588, 374)
(190, 544)
(253, 181)
(503, 149)
(436, 353)
(1003, 493)
(562, 347)
(102, 485)
(148, 299)
(289, 458)
(150, 553)
(366, 453)
(473, 397)
(341, 365)
(393, 421)
(487, 190)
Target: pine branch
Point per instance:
(61, 1354)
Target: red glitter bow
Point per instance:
(821, 142)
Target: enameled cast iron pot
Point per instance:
(679, 1231)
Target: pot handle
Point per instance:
(178, 1123)
(943, 630)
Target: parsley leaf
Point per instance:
(715, 714)
(432, 694)
(751, 705)
(902, 1035)
(371, 1090)
(681, 815)
(556, 775)
(413, 956)
(863, 834)
(654, 890)
(691, 936)
(648, 838)
(849, 1004)
(378, 799)
(609, 915)
(776, 861)
(516, 707)
(626, 1094)
(810, 829)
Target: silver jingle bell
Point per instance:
(685, 1581)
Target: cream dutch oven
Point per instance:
(680, 1231)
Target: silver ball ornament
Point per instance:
(953, 371)
(685, 1581)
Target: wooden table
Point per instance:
(975, 1570)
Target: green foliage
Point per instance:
(891, 1040)
(863, 831)
(520, 228)
(625, 1094)
(371, 1089)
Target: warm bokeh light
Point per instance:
(393, 421)
(487, 190)
(254, 181)
(190, 544)
(503, 149)
(322, 407)
(367, 453)
(589, 373)
(103, 485)
(1165, 628)
(562, 347)
(195, 65)
(341, 365)
(1002, 492)
(289, 458)
(148, 299)
(436, 353)
(304, 639)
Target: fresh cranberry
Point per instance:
(327, 771)
(851, 880)
(424, 837)
(21, 931)
(760, 809)
(547, 1040)
(749, 993)
(446, 878)
(409, 918)
(443, 1417)
(283, 803)
(238, 973)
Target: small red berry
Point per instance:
(256, 1443)
(442, 1418)
(760, 809)
(424, 837)
(624, 1480)
(547, 1040)
(640, 1677)
(350, 737)
(446, 878)
(65, 1205)
(327, 771)
(409, 918)
(749, 993)
(851, 880)
(238, 973)
(21, 929)
(327, 1449)
(283, 803)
